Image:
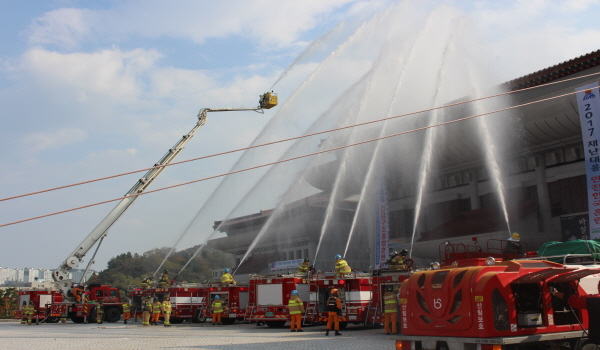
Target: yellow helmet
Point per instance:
(516, 236)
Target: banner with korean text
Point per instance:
(588, 102)
(383, 225)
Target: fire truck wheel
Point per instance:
(589, 346)
(76, 319)
(175, 320)
(275, 324)
(199, 317)
(228, 320)
(52, 320)
(112, 315)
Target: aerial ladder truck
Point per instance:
(63, 302)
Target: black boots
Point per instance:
(337, 333)
(327, 332)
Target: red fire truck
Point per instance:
(187, 300)
(234, 297)
(269, 296)
(51, 306)
(483, 304)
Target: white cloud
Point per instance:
(40, 141)
(271, 23)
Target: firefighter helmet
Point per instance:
(227, 270)
(217, 297)
(166, 271)
(338, 256)
(389, 288)
(334, 291)
(306, 260)
(404, 252)
(515, 236)
(167, 297)
(294, 292)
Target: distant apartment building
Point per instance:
(28, 276)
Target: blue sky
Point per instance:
(91, 89)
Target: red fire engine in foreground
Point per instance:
(482, 304)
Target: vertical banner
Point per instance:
(589, 114)
(383, 225)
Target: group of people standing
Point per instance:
(152, 311)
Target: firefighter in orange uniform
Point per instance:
(78, 292)
(296, 309)
(126, 311)
(341, 266)
(390, 302)
(591, 302)
(217, 310)
(155, 312)
(167, 309)
(334, 306)
(146, 311)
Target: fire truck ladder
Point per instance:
(311, 311)
(372, 313)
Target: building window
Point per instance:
(305, 253)
(291, 255)
(298, 254)
(568, 196)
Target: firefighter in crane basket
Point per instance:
(334, 307)
(304, 267)
(398, 261)
(296, 309)
(390, 302)
(78, 292)
(227, 278)
(591, 303)
(341, 266)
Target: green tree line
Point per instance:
(127, 270)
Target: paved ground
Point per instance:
(13, 335)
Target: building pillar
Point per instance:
(474, 191)
(542, 193)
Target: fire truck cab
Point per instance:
(482, 304)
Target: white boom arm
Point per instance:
(61, 279)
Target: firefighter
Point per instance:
(296, 308)
(341, 266)
(227, 278)
(30, 312)
(164, 280)
(126, 310)
(334, 307)
(146, 311)
(146, 282)
(155, 311)
(78, 292)
(390, 302)
(100, 311)
(24, 312)
(396, 262)
(513, 245)
(167, 308)
(304, 267)
(591, 302)
(217, 310)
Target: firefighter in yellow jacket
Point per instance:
(304, 267)
(146, 311)
(30, 312)
(24, 312)
(126, 311)
(390, 302)
(155, 311)
(398, 260)
(227, 278)
(167, 308)
(217, 310)
(341, 266)
(296, 309)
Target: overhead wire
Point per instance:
(289, 139)
(299, 157)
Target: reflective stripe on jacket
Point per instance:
(217, 306)
(166, 307)
(391, 302)
(341, 266)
